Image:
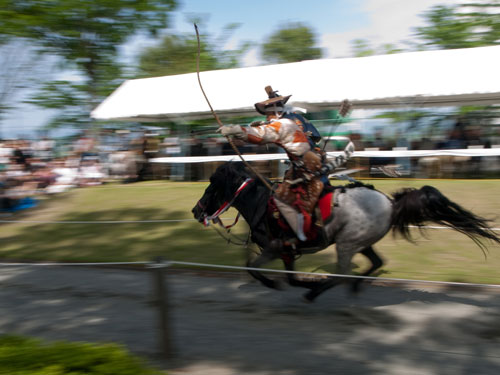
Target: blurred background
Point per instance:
(74, 188)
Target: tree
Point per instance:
(467, 25)
(291, 43)
(177, 54)
(85, 34)
(473, 24)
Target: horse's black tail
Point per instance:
(414, 207)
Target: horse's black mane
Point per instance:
(352, 185)
(357, 184)
(230, 176)
(230, 171)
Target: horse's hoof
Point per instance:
(308, 297)
(272, 284)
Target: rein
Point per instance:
(239, 241)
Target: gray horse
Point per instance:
(362, 216)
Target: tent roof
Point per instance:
(429, 78)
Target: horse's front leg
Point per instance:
(289, 263)
(263, 258)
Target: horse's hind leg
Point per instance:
(376, 264)
(344, 267)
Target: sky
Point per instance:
(336, 24)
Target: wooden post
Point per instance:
(160, 300)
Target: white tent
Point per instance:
(429, 78)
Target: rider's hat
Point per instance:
(273, 104)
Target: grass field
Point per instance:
(43, 235)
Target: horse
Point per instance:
(362, 216)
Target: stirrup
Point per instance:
(291, 242)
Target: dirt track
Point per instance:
(232, 325)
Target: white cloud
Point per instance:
(390, 21)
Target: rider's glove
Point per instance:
(234, 130)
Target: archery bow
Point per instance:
(230, 141)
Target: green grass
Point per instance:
(441, 255)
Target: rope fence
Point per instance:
(96, 221)
(158, 222)
(156, 264)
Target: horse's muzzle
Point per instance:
(198, 212)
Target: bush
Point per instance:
(26, 356)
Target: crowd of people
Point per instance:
(31, 168)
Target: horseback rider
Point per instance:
(297, 195)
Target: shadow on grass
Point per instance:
(184, 240)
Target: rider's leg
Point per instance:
(293, 218)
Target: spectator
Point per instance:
(44, 149)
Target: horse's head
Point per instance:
(223, 185)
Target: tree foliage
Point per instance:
(474, 24)
(86, 35)
(177, 54)
(295, 42)
(363, 48)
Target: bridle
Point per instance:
(223, 208)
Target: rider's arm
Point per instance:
(334, 162)
(261, 134)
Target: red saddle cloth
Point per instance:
(325, 206)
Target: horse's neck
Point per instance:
(253, 204)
